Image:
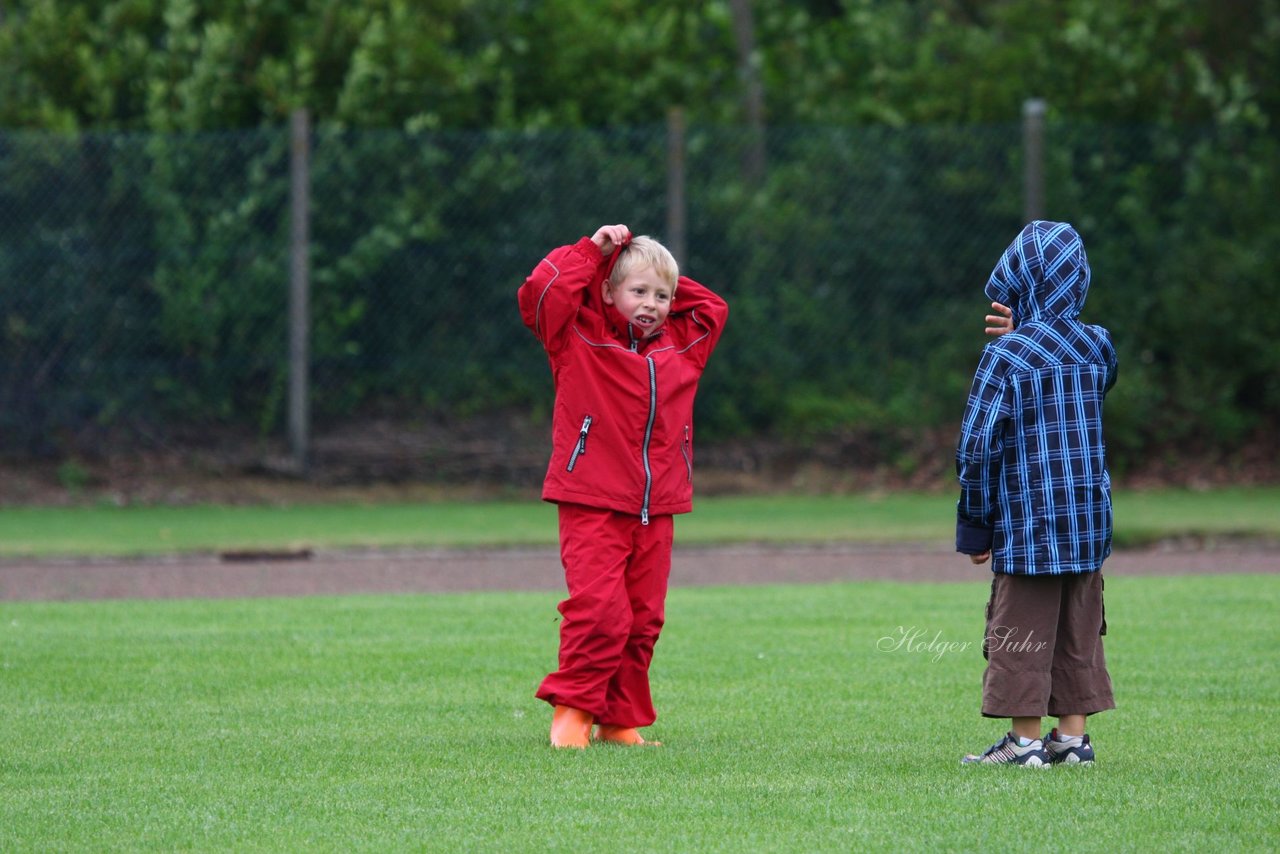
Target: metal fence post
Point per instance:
(299, 289)
(1033, 110)
(676, 229)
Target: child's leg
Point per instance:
(629, 701)
(1081, 683)
(1026, 727)
(1022, 619)
(596, 618)
(1068, 744)
(1071, 725)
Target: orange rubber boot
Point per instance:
(570, 727)
(628, 735)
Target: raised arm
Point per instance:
(552, 294)
(703, 308)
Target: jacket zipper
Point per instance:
(684, 451)
(648, 435)
(648, 427)
(581, 447)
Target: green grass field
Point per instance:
(378, 723)
(1140, 518)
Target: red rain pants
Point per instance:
(616, 570)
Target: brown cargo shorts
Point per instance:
(1043, 647)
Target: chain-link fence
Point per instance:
(144, 278)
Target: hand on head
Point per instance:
(610, 237)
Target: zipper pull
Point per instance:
(581, 447)
(644, 516)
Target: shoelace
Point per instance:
(1002, 749)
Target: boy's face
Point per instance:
(642, 298)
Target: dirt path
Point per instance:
(337, 573)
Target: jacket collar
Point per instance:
(626, 332)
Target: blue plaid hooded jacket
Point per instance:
(1034, 487)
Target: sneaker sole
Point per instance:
(1033, 763)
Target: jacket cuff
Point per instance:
(588, 247)
(973, 539)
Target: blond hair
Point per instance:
(641, 252)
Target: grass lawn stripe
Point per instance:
(1141, 517)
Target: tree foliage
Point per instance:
(183, 65)
(892, 186)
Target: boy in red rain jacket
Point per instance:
(627, 338)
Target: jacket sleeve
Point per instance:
(705, 311)
(1113, 366)
(552, 294)
(978, 455)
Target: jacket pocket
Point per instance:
(581, 447)
(686, 451)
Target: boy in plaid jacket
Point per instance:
(1035, 499)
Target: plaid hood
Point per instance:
(1044, 274)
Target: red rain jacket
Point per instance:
(622, 430)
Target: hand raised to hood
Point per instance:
(610, 237)
(1000, 323)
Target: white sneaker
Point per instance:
(1068, 750)
(1011, 751)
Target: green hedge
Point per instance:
(146, 273)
